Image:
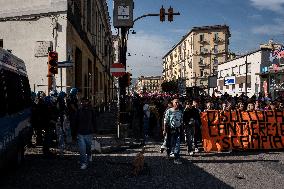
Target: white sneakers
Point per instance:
(84, 165)
(191, 153)
(196, 150)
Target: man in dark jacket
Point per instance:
(190, 115)
(85, 128)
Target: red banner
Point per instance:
(242, 130)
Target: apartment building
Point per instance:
(252, 73)
(197, 55)
(79, 30)
(150, 84)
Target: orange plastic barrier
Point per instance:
(242, 130)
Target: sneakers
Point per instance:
(191, 153)
(83, 166)
(172, 155)
(196, 150)
(177, 161)
(162, 149)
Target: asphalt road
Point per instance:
(113, 170)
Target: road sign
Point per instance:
(117, 69)
(230, 80)
(65, 64)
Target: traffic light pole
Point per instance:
(146, 15)
(122, 82)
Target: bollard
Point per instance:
(122, 130)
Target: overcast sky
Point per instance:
(251, 22)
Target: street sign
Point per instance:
(123, 13)
(117, 69)
(230, 80)
(65, 64)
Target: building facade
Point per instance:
(150, 84)
(239, 75)
(272, 74)
(79, 30)
(252, 73)
(197, 55)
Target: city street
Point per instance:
(114, 170)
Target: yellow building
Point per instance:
(196, 56)
(150, 84)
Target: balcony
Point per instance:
(218, 40)
(201, 64)
(202, 41)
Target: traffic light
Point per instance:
(170, 14)
(162, 14)
(53, 62)
(129, 79)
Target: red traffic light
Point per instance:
(162, 14)
(53, 62)
(170, 14)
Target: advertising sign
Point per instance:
(231, 80)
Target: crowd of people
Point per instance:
(169, 118)
(63, 118)
(179, 117)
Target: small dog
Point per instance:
(138, 163)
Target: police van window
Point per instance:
(12, 92)
(26, 92)
(2, 94)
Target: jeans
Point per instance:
(173, 142)
(145, 128)
(85, 143)
(190, 137)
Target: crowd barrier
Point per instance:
(227, 130)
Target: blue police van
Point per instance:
(15, 109)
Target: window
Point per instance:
(220, 73)
(201, 37)
(215, 50)
(241, 85)
(1, 43)
(249, 68)
(235, 70)
(242, 69)
(201, 73)
(215, 61)
(89, 15)
(201, 61)
(215, 36)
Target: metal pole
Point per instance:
(246, 86)
(209, 71)
(61, 78)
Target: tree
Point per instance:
(170, 86)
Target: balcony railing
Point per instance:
(202, 64)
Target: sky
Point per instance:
(251, 23)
